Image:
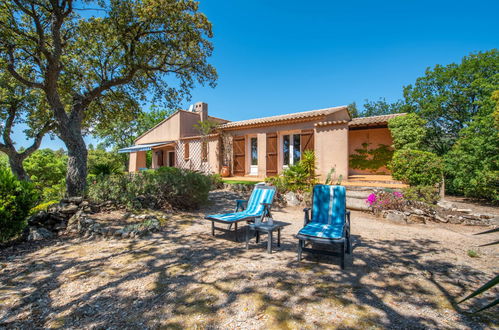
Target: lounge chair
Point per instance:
(258, 206)
(329, 223)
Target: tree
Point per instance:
(472, 165)
(132, 49)
(450, 96)
(408, 132)
(381, 107)
(352, 109)
(21, 105)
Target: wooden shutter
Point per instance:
(239, 155)
(271, 160)
(186, 150)
(159, 158)
(307, 140)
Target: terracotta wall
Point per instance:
(136, 161)
(194, 162)
(331, 150)
(168, 130)
(374, 136)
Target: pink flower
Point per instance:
(371, 199)
(398, 194)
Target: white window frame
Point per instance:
(249, 166)
(291, 147)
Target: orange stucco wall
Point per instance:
(374, 136)
(331, 150)
(136, 161)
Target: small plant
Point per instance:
(416, 168)
(299, 177)
(386, 199)
(423, 194)
(472, 254)
(332, 179)
(42, 206)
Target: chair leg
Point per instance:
(235, 231)
(299, 249)
(213, 228)
(349, 244)
(342, 257)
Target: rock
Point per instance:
(75, 218)
(75, 200)
(37, 234)
(396, 217)
(416, 218)
(441, 219)
(446, 205)
(118, 233)
(84, 203)
(464, 210)
(127, 215)
(417, 211)
(69, 208)
(38, 218)
(358, 204)
(291, 199)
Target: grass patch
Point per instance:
(249, 183)
(472, 254)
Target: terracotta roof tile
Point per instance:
(274, 119)
(366, 121)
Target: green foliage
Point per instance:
(43, 206)
(162, 188)
(16, 200)
(216, 181)
(332, 179)
(416, 168)
(352, 109)
(472, 166)
(449, 97)
(205, 127)
(47, 170)
(371, 159)
(472, 254)
(298, 177)
(4, 161)
(101, 163)
(424, 194)
(408, 132)
(381, 107)
(251, 183)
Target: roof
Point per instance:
(302, 116)
(374, 120)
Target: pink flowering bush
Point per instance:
(386, 200)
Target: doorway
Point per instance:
(171, 158)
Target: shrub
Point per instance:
(16, 200)
(216, 181)
(386, 199)
(47, 170)
(162, 188)
(424, 194)
(299, 177)
(408, 131)
(416, 168)
(43, 206)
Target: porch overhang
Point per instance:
(144, 147)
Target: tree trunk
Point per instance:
(76, 177)
(16, 166)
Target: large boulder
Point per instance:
(39, 233)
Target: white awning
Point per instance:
(143, 147)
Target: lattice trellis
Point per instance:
(198, 160)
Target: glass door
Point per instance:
(254, 156)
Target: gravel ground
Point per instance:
(398, 277)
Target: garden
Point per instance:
(85, 244)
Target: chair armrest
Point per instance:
(241, 203)
(306, 212)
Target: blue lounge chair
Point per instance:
(258, 206)
(329, 223)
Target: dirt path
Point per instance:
(399, 277)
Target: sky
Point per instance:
(277, 57)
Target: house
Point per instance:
(259, 147)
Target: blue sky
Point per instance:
(276, 57)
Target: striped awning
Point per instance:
(143, 147)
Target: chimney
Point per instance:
(202, 109)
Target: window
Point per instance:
(254, 151)
(291, 149)
(204, 151)
(186, 150)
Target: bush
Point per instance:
(386, 199)
(416, 168)
(408, 132)
(42, 207)
(16, 200)
(162, 188)
(216, 181)
(47, 170)
(425, 194)
(299, 177)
